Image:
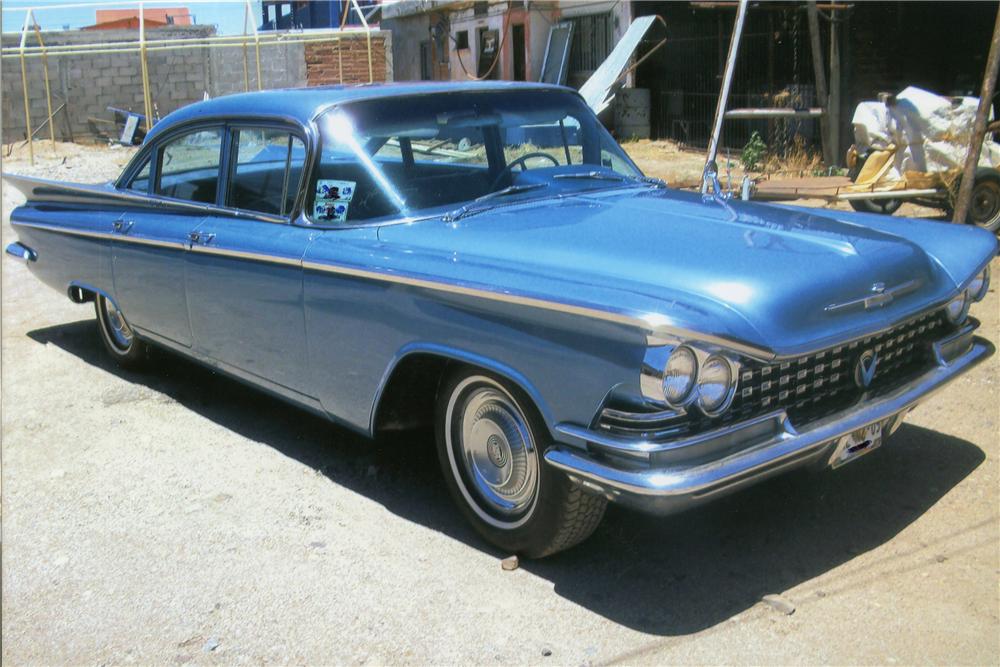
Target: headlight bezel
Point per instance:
(732, 369)
(957, 317)
(654, 374)
(978, 293)
(688, 395)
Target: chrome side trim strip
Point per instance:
(647, 323)
(658, 332)
(104, 236)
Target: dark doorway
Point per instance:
(517, 35)
(426, 61)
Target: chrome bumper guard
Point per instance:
(663, 478)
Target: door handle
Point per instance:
(122, 226)
(198, 237)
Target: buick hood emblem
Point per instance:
(864, 372)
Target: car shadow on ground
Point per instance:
(667, 576)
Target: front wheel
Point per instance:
(490, 445)
(118, 338)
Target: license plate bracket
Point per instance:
(856, 444)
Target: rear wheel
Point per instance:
(490, 446)
(117, 335)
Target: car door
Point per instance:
(244, 271)
(150, 242)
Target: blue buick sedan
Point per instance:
(484, 258)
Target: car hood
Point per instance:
(778, 278)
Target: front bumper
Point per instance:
(665, 478)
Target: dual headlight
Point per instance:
(957, 309)
(706, 379)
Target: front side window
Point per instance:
(267, 166)
(401, 156)
(140, 182)
(189, 166)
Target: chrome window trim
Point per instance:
(306, 132)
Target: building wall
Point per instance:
(346, 61)
(410, 22)
(88, 84)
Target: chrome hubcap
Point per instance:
(119, 329)
(495, 451)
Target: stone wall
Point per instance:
(88, 84)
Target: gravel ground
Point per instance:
(175, 516)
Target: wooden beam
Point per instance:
(979, 127)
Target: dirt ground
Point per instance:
(175, 516)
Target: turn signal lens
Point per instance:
(980, 285)
(958, 308)
(715, 385)
(679, 376)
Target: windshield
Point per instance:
(412, 155)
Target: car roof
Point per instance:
(302, 104)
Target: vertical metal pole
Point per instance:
(246, 57)
(24, 89)
(340, 58)
(979, 127)
(833, 105)
(368, 36)
(720, 106)
(821, 93)
(146, 97)
(45, 69)
(256, 46)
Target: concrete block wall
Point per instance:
(90, 83)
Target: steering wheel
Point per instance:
(519, 162)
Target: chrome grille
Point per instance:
(808, 388)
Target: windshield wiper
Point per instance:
(593, 175)
(604, 176)
(463, 211)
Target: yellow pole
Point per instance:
(371, 75)
(146, 97)
(24, 89)
(48, 91)
(256, 46)
(246, 57)
(340, 59)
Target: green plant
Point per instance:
(753, 152)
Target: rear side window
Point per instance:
(267, 168)
(189, 166)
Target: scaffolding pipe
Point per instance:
(144, 65)
(48, 90)
(711, 170)
(152, 49)
(126, 47)
(24, 86)
(368, 36)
